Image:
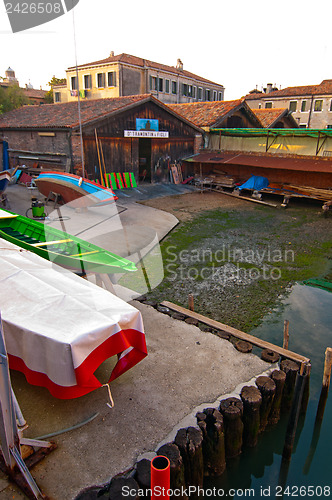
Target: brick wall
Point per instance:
(23, 143)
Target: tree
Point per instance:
(12, 97)
(54, 81)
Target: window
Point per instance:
(111, 79)
(268, 105)
(57, 97)
(328, 126)
(220, 96)
(318, 105)
(73, 83)
(153, 83)
(185, 89)
(208, 95)
(87, 81)
(303, 106)
(331, 106)
(199, 93)
(303, 125)
(167, 86)
(214, 95)
(100, 80)
(174, 87)
(292, 106)
(191, 91)
(161, 84)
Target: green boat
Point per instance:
(60, 247)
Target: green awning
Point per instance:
(261, 132)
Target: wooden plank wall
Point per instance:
(121, 153)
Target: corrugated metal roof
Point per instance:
(323, 165)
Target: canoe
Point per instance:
(60, 247)
(74, 190)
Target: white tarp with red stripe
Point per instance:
(59, 327)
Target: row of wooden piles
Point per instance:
(221, 434)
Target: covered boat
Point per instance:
(74, 190)
(60, 328)
(60, 247)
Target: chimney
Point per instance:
(179, 65)
(112, 53)
(269, 88)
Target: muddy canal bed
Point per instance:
(239, 259)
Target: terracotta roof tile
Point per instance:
(138, 61)
(65, 115)
(207, 114)
(325, 87)
(269, 116)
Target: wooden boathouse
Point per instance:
(136, 134)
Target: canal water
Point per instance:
(260, 472)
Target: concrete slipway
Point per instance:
(185, 369)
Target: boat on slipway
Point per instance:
(60, 247)
(74, 190)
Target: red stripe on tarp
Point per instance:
(86, 381)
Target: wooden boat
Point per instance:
(5, 177)
(74, 190)
(60, 247)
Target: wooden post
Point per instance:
(116, 488)
(190, 443)
(306, 390)
(291, 369)
(191, 302)
(294, 414)
(211, 423)
(172, 452)
(267, 388)
(279, 378)
(325, 384)
(143, 473)
(252, 400)
(286, 334)
(232, 411)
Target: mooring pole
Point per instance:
(325, 384)
(286, 334)
(191, 302)
(320, 409)
(294, 413)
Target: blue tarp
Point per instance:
(256, 183)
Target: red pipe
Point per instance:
(160, 477)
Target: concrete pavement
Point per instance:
(186, 369)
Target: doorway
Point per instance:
(144, 154)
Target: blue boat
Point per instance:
(74, 190)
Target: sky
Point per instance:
(239, 44)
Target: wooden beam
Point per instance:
(237, 333)
(245, 198)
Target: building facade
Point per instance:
(311, 105)
(124, 75)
